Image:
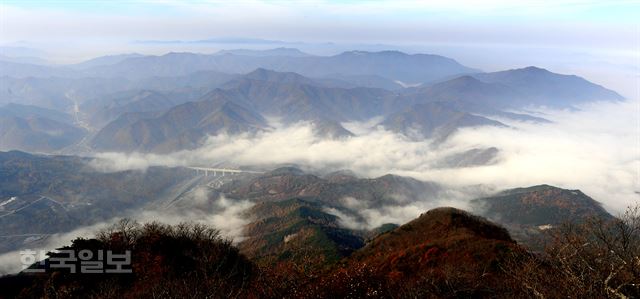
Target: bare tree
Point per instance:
(597, 258)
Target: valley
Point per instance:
(319, 149)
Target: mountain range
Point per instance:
(134, 102)
(434, 111)
(313, 218)
(389, 64)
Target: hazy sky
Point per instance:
(607, 24)
(572, 36)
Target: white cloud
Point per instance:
(10, 262)
(596, 150)
(360, 215)
(198, 206)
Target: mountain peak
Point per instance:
(458, 84)
(263, 74)
(466, 80)
(443, 220)
(534, 69)
(260, 72)
(439, 237)
(536, 188)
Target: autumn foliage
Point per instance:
(445, 253)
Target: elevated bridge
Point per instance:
(221, 171)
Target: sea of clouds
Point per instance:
(594, 148)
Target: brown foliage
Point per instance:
(446, 253)
(594, 259)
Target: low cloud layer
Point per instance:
(200, 206)
(363, 215)
(10, 262)
(595, 149)
(197, 206)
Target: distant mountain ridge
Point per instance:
(393, 65)
(125, 96)
(543, 87)
(290, 52)
(104, 60)
(434, 111)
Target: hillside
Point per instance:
(46, 195)
(176, 261)
(37, 134)
(469, 94)
(423, 258)
(435, 120)
(181, 127)
(286, 183)
(297, 231)
(526, 212)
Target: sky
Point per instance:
(599, 40)
(569, 23)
